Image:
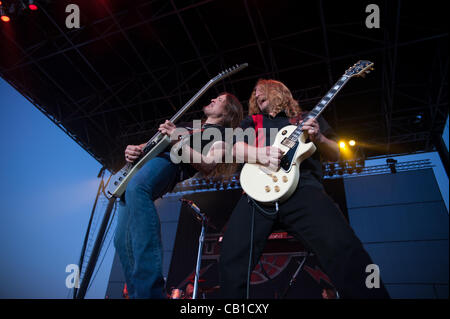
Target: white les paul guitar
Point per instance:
(267, 186)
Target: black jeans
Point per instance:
(312, 217)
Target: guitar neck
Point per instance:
(325, 101)
(179, 114)
(194, 99)
(320, 107)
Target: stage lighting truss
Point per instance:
(355, 168)
(342, 169)
(200, 184)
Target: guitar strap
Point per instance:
(297, 120)
(260, 136)
(258, 123)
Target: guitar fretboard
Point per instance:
(319, 108)
(149, 145)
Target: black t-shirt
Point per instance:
(311, 168)
(200, 140)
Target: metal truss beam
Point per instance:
(116, 32)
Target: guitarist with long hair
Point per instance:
(309, 214)
(138, 233)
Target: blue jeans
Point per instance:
(138, 234)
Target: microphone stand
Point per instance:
(294, 277)
(204, 220)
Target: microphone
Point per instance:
(191, 204)
(195, 208)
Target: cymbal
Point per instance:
(192, 277)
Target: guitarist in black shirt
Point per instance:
(308, 214)
(138, 234)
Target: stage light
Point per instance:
(32, 5)
(360, 163)
(418, 119)
(5, 18)
(331, 169)
(391, 163)
(351, 166)
(341, 168)
(352, 143)
(342, 145)
(3, 15)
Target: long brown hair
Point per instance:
(233, 111)
(232, 118)
(279, 96)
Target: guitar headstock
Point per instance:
(227, 72)
(360, 68)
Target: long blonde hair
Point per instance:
(279, 96)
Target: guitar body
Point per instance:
(266, 186)
(119, 181)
